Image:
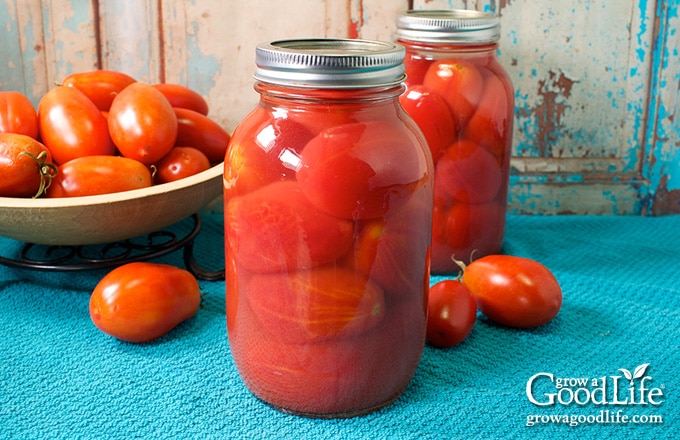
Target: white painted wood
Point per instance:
(70, 38)
(130, 38)
(210, 45)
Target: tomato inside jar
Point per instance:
(328, 192)
(463, 101)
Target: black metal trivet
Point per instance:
(90, 257)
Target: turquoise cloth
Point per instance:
(60, 377)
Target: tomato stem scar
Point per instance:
(48, 171)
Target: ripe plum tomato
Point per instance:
(25, 166)
(179, 163)
(201, 132)
(335, 375)
(72, 126)
(514, 291)
(416, 66)
(382, 168)
(180, 96)
(393, 250)
(323, 117)
(93, 175)
(463, 230)
(432, 115)
(490, 126)
(142, 123)
(276, 228)
(451, 313)
(268, 152)
(140, 302)
(312, 305)
(469, 173)
(17, 114)
(101, 86)
(460, 84)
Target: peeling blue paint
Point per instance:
(17, 62)
(81, 16)
(642, 51)
(11, 53)
(662, 146)
(202, 68)
(570, 178)
(642, 143)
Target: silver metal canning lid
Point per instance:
(330, 63)
(448, 26)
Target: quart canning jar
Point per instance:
(328, 188)
(463, 101)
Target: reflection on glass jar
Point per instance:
(328, 189)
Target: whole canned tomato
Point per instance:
(463, 101)
(328, 188)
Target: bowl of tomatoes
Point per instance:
(108, 217)
(105, 158)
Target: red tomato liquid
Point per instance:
(328, 212)
(472, 155)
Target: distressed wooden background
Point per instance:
(597, 126)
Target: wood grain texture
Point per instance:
(108, 218)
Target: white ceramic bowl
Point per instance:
(110, 217)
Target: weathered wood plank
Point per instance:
(130, 38)
(374, 19)
(70, 40)
(581, 93)
(22, 49)
(210, 45)
(662, 146)
(596, 130)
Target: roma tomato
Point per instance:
(179, 163)
(382, 167)
(491, 124)
(180, 96)
(469, 173)
(25, 166)
(323, 116)
(464, 230)
(514, 291)
(140, 302)
(416, 66)
(201, 132)
(393, 250)
(335, 375)
(460, 84)
(101, 86)
(142, 123)
(432, 115)
(72, 126)
(451, 313)
(17, 114)
(271, 154)
(93, 175)
(308, 306)
(276, 228)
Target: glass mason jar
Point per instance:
(328, 189)
(463, 101)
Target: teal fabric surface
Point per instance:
(60, 377)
